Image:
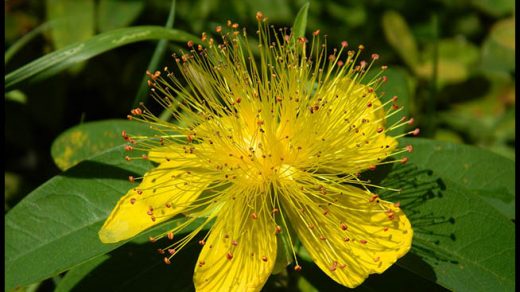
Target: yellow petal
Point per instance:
(240, 252)
(164, 192)
(355, 235)
(172, 152)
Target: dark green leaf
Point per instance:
(136, 266)
(81, 51)
(460, 201)
(479, 171)
(397, 85)
(55, 227)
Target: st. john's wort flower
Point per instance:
(268, 148)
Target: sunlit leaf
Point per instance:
(460, 201)
(87, 140)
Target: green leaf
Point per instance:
(300, 22)
(399, 36)
(134, 267)
(456, 58)
(489, 176)
(495, 8)
(460, 201)
(498, 50)
(55, 227)
(89, 139)
(24, 40)
(113, 14)
(73, 21)
(390, 280)
(75, 53)
(397, 85)
(16, 96)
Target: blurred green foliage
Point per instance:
(456, 59)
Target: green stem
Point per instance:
(142, 95)
(24, 40)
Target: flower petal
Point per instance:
(240, 252)
(348, 232)
(164, 192)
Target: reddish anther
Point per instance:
(136, 112)
(259, 16)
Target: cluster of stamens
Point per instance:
(259, 127)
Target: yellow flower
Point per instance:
(268, 150)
